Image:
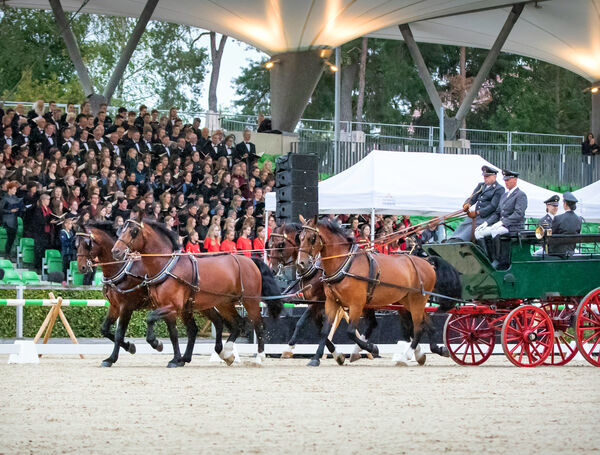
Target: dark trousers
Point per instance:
(10, 239)
(66, 259)
(42, 243)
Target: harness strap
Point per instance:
(241, 296)
(342, 271)
(417, 272)
(373, 278)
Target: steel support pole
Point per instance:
(337, 102)
(20, 313)
(489, 61)
(132, 43)
(424, 74)
(372, 227)
(595, 117)
(441, 116)
(72, 47)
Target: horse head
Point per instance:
(92, 244)
(311, 243)
(131, 238)
(282, 246)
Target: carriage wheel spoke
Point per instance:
(590, 337)
(519, 344)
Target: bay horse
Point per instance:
(125, 294)
(282, 251)
(181, 283)
(356, 279)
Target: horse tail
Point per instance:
(269, 288)
(447, 283)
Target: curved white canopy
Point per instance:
(563, 32)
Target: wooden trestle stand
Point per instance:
(48, 323)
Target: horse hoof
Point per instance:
(375, 351)
(354, 357)
(339, 358)
(131, 348)
(313, 363)
(159, 346)
(186, 360)
(175, 364)
(401, 363)
(444, 351)
(106, 364)
(287, 354)
(421, 360)
(229, 360)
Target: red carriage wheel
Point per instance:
(527, 336)
(587, 327)
(469, 338)
(565, 344)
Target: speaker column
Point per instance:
(296, 186)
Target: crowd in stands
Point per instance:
(60, 169)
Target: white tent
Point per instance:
(410, 183)
(589, 202)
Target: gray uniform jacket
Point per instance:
(487, 201)
(567, 223)
(512, 210)
(546, 221)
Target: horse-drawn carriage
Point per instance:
(545, 307)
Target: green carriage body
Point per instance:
(530, 276)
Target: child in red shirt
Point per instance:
(212, 242)
(259, 242)
(228, 244)
(244, 243)
(192, 246)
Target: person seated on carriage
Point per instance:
(486, 198)
(432, 233)
(512, 206)
(566, 223)
(551, 209)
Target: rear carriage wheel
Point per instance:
(527, 336)
(587, 327)
(469, 338)
(565, 344)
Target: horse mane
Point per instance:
(164, 230)
(104, 226)
(337, 230)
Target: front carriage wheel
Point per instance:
(469, 338)
(527, 336)
(565, 344)
(587, 327)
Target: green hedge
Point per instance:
(85, 321)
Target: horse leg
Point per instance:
(372, 323)
(259, 329)
(171, 322)
(231, 318)
(355, 313)
(439, 350)
(417, 312)
(288, 354)
(192, 330)
(111, 318)
(119, 337)
(151, 319)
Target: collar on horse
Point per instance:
(343, 270)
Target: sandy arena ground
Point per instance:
(69, 405)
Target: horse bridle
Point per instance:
(282, 264)
(88, 260)
(133, 236)
(313, 242)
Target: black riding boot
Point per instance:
(483, 245)
(495, 251)
(503, 254)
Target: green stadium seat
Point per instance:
(52, 262)
(98, 278)
(30, 277)
(11, 277)
(73, 274)
(2, 240)
(6, 264)
(25, 251)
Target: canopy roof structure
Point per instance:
(563, 32)
(413, 183)
(589, 202)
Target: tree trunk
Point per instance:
(361, 83)
(557, 100)
(216, 53)
(349, 73)
(463, 88)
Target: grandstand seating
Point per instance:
(30, 277)
(11, 277)
(73, 275)
(2, 239)
(25, 252)
(6, 264)
(51, 262)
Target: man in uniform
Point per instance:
(567, 223)
(513, 204)
(551, 209)
(486, 198)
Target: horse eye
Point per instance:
(135, 232)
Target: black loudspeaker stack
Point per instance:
(297, 187)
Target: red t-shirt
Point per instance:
(383, 249)
(258, 244)
(192, 248)
(228, 245)
(211, 246)
(244, 245)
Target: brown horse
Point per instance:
(282, 250)
(179, 284)
(357, 279)
(122, 287)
